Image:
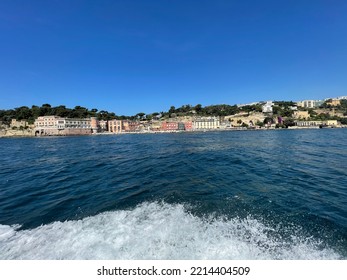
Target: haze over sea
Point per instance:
(214, 195)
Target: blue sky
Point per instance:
(144, 56)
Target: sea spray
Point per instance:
(156, 230)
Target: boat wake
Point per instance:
(158, 231)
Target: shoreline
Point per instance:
(27, 135)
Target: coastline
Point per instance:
(30, 134)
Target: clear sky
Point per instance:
(131, 56)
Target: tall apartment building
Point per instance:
(310, 103)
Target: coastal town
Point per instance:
(328, 113)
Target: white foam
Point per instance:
(155, 231)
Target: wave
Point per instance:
(158, 230)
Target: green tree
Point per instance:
(35, 111)
(288, 122)
(343, 104)
(198, 108)
(268, 120)
(259, 123)
(140, 115)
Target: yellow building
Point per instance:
(156, 125)
(334, 102)
(331, 123)
(18, 124)
(115, 126)
(301, 115)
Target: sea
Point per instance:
(232, 195)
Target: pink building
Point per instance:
(98, 126)
(131, 126)
(188, 125)
(169, 126)
(94, 123)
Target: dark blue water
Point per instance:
(218, 195)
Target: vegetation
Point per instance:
(30, 114)
(288, 122)
(284, 103)
(280, 108)
(212, 110)
(283, 108)
(268, 120)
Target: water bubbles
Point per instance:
(158, 231)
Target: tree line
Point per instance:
(281, 108)
(30, 114)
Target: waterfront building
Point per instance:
(155, 126)
(206, 123)
(131, 126)
(330, 123)
(94, 124)
(115, 126)
(169, 126)
(188, 125)
(18, 124)
(55, 125)
(77, 123)
(98, 126)
(122, 126)
(181, 126)
(49, 125)
(103, 125)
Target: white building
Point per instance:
(310, 103)
(247, 104)
(206, 123)
(267, 107)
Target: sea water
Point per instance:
(213, 195)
